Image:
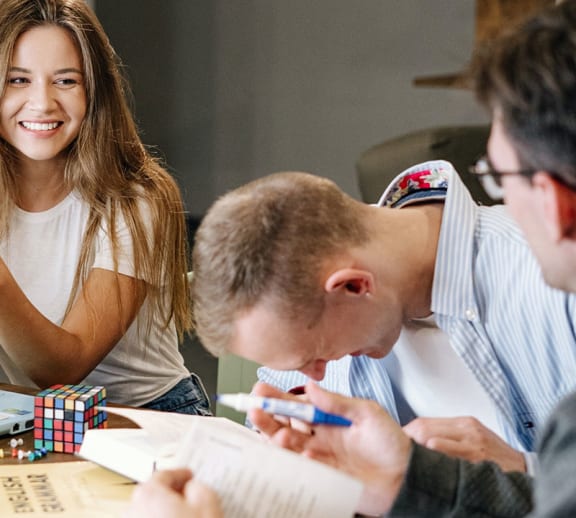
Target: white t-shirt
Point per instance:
(433, 380)
(42, 253)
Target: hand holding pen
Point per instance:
(373, 448)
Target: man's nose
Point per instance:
(315, 370)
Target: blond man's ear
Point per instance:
(350, 281)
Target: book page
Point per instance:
(255, 478)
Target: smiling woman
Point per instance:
(42, 109)
(93, 254)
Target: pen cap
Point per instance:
(240, 402)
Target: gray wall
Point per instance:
(168, 53)
(229, 90)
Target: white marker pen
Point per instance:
(302, 411)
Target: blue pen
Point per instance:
(302, 411)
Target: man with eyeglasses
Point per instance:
(528, 82)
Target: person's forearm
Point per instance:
(49, 353)
(442, 486)
(45, 352)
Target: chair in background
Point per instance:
(460, 145)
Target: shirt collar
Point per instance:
(423, 182)
(452, 289)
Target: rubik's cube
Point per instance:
(62, 413)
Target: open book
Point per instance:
(251, 476)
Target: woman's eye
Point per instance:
(66, 82)
(18, 81)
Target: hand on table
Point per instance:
(173, 494)
(373, 449)
(467, 438)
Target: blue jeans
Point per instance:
(187, 397)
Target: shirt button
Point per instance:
(470, 314)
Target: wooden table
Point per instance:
(114, 421)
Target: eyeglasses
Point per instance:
(491, 179)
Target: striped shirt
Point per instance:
(515, 333)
